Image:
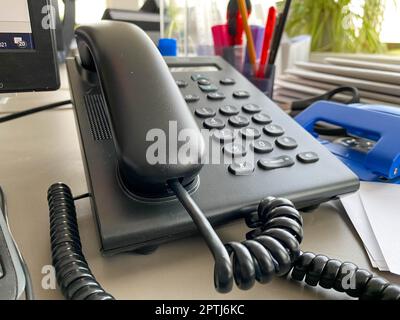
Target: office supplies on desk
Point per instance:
(280, 29)
(127, 98)
(221, 38)
(377, 81)
(168, 47)
(268, 34)
(355, 210)
(353, 72)
(372, 86)
(250, 42)
(295, 51)
(258, 36)
(297, 85)
(372, 147)
(139, 206)
(235, 22)
(374, 213)
(368, 65)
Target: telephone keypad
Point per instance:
(286, 143)
(238, 123)
(214, 123)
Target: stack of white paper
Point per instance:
(375, 214)
(378, 82)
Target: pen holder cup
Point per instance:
(266, 84)
(233, 55)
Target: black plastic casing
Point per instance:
(141, 96)
(128, 223)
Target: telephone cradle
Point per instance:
(372, 147)
(124, 91)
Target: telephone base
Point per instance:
(128, 224)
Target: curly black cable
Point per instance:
(273, 248)
(73, 273)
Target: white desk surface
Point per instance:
(41, 149)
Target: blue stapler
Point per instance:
(371, 147)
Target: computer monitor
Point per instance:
(28, 60)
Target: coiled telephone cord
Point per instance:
(272, 248)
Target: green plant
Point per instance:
(336, 27)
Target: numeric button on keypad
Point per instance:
(251, 108)
(235, 150)
(286, 143)
(204, 82)
(214, 123)
(308, 157)
(205, 112)
(250, 133)
(228, 82)
(208, 88)
(239, 121)
(224, 135)
(198, 76)
(229, 110)
(191, 98)
(262, 146)
(262, 118)
(276, 163)
(181, 83)
(216, 96)
(274, 130)
(241, 94)
(241, 168)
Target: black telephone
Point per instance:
(122, 89)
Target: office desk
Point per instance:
(41, 149)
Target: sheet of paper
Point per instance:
(356, 212)
(382, 206)
(378, 264)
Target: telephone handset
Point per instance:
(134, 111)
(123, 89)
(141, 95)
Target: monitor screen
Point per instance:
(15, 25)
(28, 57)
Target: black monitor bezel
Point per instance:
(32, 69)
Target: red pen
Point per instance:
(235, 22)
(269, 32)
